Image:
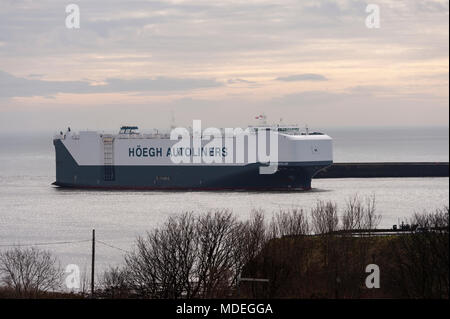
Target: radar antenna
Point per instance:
(262, 118)
(172, 120)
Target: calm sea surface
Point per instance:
(33, 211)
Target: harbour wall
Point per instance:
(385, 169)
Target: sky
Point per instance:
(151, 63)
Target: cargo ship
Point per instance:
(145, 161)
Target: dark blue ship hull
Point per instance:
(289, 176)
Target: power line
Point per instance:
(46, 243)
(112, 246)
(64, 243)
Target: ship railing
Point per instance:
(144, 135)
(66, 135)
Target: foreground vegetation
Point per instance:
(298, 254)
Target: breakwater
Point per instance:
(385, 169)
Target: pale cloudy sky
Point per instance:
(224, 62)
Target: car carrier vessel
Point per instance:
(133, 160)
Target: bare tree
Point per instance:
(289, 223)
(250, 238)
(162, 264)
(216, 243)
(29, 271)
(359, 215)
(251, 235)
(371, 218)
(352, 218)
(422, 257)
(114, 283)
(194, 257)
(324, 217)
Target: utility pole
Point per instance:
(93, 263)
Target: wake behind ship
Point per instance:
(133, 160)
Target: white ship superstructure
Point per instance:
(134, 160)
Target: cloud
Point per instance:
(34, 75)
(157, 84)
(168, 28)
(310, 99)
(242, 83)
(257, 51)
(302, 77)
(11, 86)
(234, 81)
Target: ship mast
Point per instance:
(262, 118)
(172, 120)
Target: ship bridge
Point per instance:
(129, 130)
